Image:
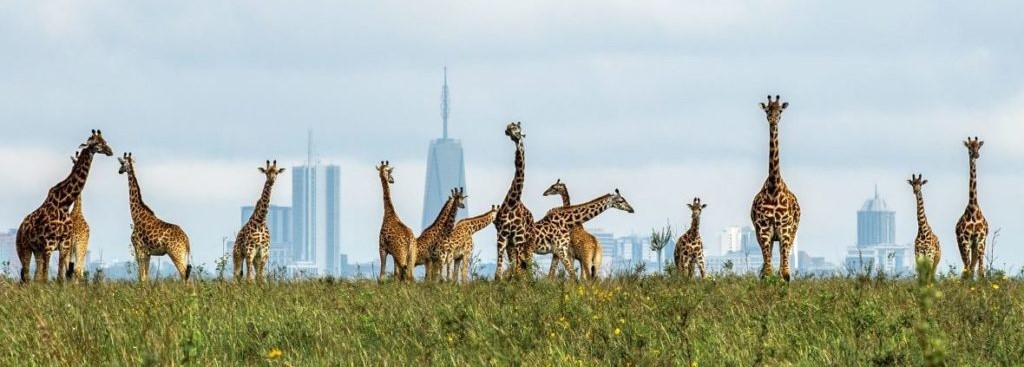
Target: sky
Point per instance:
(657, 99)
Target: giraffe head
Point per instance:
(271, 170)
(773, 109)
(127, 163)
(459, 197)
(514, 130)
(557, 188)
(916, 182)
(619, 202)
(696, 207)
(384, 170)
(97, 144)
(973, 147)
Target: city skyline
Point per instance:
(446, 167)
(664, 108)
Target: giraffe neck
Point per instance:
(565, 198)
(445, 218)
(140, 211)
(389, 209)
(259, 213)
(578, 214)
(77, 210)
(973, 187)
(64, 194)
(774, 171)
(695, 223)
(922, 220)
(479, 222)
(515, 192)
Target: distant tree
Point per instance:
(660, 239)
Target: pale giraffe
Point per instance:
(552, 234)
(926, 244)
(457, 249)
(79, 244)
(151, 236)
(775, 213)
(430, 240)
(689, 252)
(47, 228)
(252, 244)
(583, 246)
(514, 222)
(972, 228)
(396, 239)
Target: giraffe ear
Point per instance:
(262, 170)
(279, 170)
(785, 104)
(924, 182)
(763, 106)
(704, 206)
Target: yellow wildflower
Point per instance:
(552, 335)
(995, 286)
(618, 331)
(622, 321)
(274, 353)
(972, 288)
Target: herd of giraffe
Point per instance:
(445, 247)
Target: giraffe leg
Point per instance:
(964, 245)
(701, 264)
(585, 265)
(502, 249)
(25, 256)
(249, 266)
(239, 262)
(554, 264)
(80, 252)
(979, 256)
(410, 265)
(383, 262)
(43, 265)
(563, 253)
(465, 266)
(764, 239)
(261, 263)
(143, 268)
(180, 260)
(785, 247)
(63, 261)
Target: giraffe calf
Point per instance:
(689, 248)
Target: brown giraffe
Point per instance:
(428, 243)
(972, 228)
(514, 222)
(457, 249)
(689, 248)
(47, 228)
(74, 262)
(552, 234)
(775, 213)
(150, 235)
(252, 244)
(926, 244)
(396, 239)
(583, 246)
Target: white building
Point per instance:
(730, 239)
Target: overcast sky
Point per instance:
(658, 100)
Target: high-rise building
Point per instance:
(730, 239)
(610, 253)
(876, 223)
(445, 167)
(748, 241)
(279, 222)
(316, 221)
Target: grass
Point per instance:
(655, 320)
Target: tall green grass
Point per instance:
(728, 320)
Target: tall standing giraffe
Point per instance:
(429, 242)
(583, 246)
(552, 233)
(150, 235)
(456, 250)
(689, 253)
(926, 244)
(252, 244)
(775, 213)
(514, 222)
(396, 239)
(47, 228)
(972, 228)
(71, 261)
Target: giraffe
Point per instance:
(553, 232)
(775, 213)
(252, 244)
(47, 228)
(150, 235)
(73, 264)
(583, 246)
(427, 243)
(514, 222)
(689, 248)
(972, 228)
(396, 239)
(926, 244)
(456, 250)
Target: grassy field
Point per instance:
(654, 320)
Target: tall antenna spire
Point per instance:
(445, 103)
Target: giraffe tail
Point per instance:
(71, 270)
(188, 271)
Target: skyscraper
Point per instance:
(316, 208)
(279, 222)
(730, 239)
(445, 166)
(876, 223)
